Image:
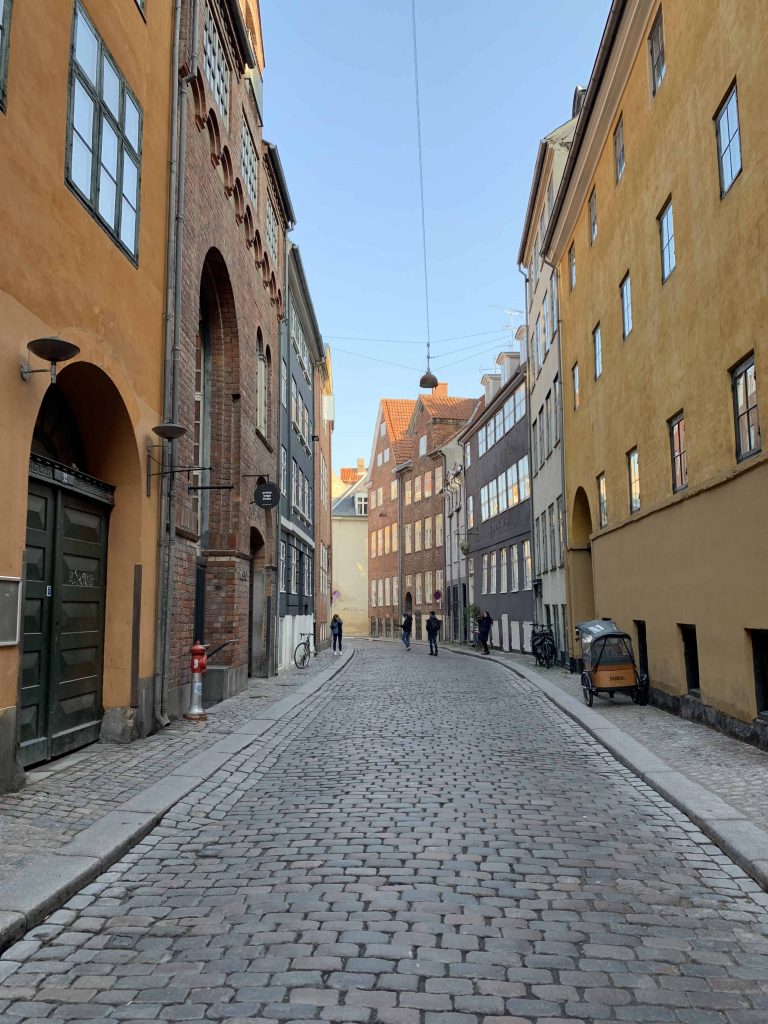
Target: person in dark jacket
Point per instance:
(336, 632)
(484, 630)
(433, 628)
(406, 628)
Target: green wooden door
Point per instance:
(62, 660)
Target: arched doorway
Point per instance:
(259, 616)
(80, 623)
(581, 585)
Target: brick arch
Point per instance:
(218, 313)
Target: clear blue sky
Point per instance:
(495, 76)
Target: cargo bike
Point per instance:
(609, 664)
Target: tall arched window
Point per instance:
(267, 382)
(262, 385)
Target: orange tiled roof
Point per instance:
(350, 474)
(447, 407)
(397, 414)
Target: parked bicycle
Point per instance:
(303, 652)
(543, 645)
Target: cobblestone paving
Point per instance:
(68, 795)
(735, 771)
(426, 842)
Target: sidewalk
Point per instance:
(79, 814)
(719, 782)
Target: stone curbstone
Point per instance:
(50, 881)
(743, 841)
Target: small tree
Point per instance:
(471, 615)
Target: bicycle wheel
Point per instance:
(548, 652)
(301, 655)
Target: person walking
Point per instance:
(406, 627)
(484, 630)
(433, 628)
(336, 633)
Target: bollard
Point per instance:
(198, 666)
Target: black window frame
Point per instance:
(627, 279)
(102, 112)
(572, 266)
(678, 457)
(5, 50)
(597, 334)
(592, 215)
(731, 92)
(630, 453)
(602, 501)
(738, 371)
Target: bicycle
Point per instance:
(543, 645)
(303, 653)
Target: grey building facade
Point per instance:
(301, 350)
(498, 507)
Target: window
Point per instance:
(552, 545)
(493, 497)
(439, 583)
(656, 46)
(545, 322)
(361, 504)
(380, 541)
(560, 532)
(215, 61)
(272, 231)
(294, 483)
(294, 401)
(103, 136)
(503, 571)
(428, 484)
(284, 383)
(380, 592)
(633, 469)
(439, 532)
(372, 503)
(572, 266)
(417, 535)
(307, 575)
(249, 163)
(667, 237)
(626, 306)
(519, 397)
(379, 496)
(428, 533)
(395, 591)
(527, 573)
(386, 455)
(481, 442)
(407, 492)
(470, 512)
(575, 377)
(553, 303)
(602, 501)
(393, 528)
(428, 592)
(282, 566)
(468, 454)
(728, 141)
(492, 580)
(5, 35)
(417, 489)
(423, 444)
(387, 535)
(558, 407)
(524, 478)
(745, 409)
(294, 571)
(373, 543)
(484, 577)
(408, 530)
(597, 348)
(548, 420)
(592, 217)
(383, 430)
(542, 450)
(373, 593)
(679, 457)
(501, 490)
(490, 431)
(438, 479)
(284, 471)
(419, 596)
(538, 348)
(618, 150)
(387, 591)
(514, 584)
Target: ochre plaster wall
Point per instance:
(702, 560)
(62, 274)
(350, 572)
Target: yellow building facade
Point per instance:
(656, 234)
(85, 101)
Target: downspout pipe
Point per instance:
(162, 562)
(534, 570)
(173, 335)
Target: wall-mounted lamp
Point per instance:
(167, 432)
(53, 351)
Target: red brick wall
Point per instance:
(224, 246)
(323, 512)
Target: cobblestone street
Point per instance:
(427, 840)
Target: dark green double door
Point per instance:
(63, 642)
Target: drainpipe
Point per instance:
(528, 388)
(172, 347)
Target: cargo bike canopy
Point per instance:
(602, 640)
(609, 663)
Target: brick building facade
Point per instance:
(325, 415)
(406, 515)
(236, 213)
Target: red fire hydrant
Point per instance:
(198, 665)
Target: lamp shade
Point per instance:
(169, 431)
(429, 380)
(53, 350)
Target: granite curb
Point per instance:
(50, 880)
(741, 839)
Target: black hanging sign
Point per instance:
(267, 495)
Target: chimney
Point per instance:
(441, 391)
(361, 466)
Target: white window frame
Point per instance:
(625, 290)
(728, 134)
(215, 63)
(667, 240)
